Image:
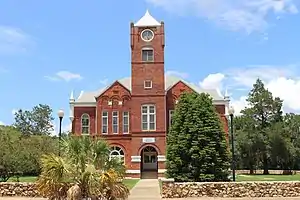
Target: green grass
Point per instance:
(130, 183)
(259, 177)
(26, 179)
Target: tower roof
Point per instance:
(147, 20)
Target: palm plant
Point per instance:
(85, 162)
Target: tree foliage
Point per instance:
(19, 154)
(85, 162)
(196, 143)
(37, 121)
(266, 139)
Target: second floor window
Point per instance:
(126, 122)
(171, 113)
(104, 122)
(85, 124)
(147, 55)
(148, 118)
(115, 122)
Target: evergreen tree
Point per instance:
(196, 144)
(264, 111)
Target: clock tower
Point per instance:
(147, 56)
(147, 76)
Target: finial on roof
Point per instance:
(81, 93)
(226, 95)
(147, 20)
(72, 96)
(147, 12)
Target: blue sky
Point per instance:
(49, 48)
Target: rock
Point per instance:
(231, 189)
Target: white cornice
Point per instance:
(94, 104)
(85, 104)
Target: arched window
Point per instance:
(85, 124)
(117, 153)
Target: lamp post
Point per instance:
(231, 113)
(60, 114)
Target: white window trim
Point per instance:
(148, 116)
(146, 84)
(127, 132)
(102, 117)
(117, 151)
(89, 124)
(170, 116)
(146, 49)
(112, 121)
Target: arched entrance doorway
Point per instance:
(149, 164)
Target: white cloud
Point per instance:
(65, 76)
(14, 40)
(177, 73)
(212, 81)
(239, 104)
(237, 15)
(282, 81)
(2, 123)
(246, 76)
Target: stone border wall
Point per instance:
(171, 189)
(18, 189)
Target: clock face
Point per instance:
(147, 35)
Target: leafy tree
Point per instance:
(36, 121)
(282, 152)
(263, 111)
(20, 155)
(196, 143)
(85, 162)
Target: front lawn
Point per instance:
(24, 179)
(259, 177)
(130, 183)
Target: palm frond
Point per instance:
(53, 179)
(85, 162)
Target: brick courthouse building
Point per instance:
(133, 114)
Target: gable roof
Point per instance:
(170, 81)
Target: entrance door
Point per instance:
(149, 165)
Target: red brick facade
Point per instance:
(120, 98)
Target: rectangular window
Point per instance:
(115, 122)
(104, 122)
(148, 84)
(171, 112)
(148, 118)
(125, 122)
(147, 55)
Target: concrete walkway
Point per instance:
(145, 189)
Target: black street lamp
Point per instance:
(231, 113)
(60, 114)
